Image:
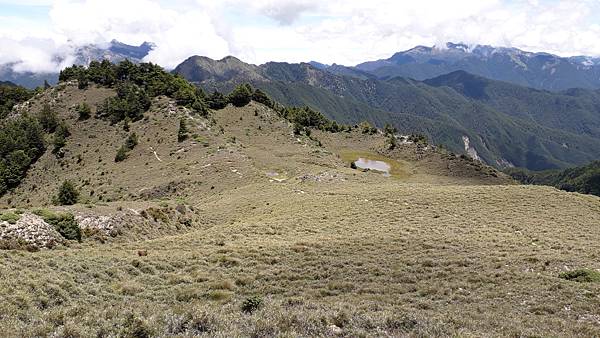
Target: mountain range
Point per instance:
(501, 123)
(536, 70)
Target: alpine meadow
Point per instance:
(186, 169)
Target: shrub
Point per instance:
(305, 118)
(48, 118)
(64, 223)
(121, 154)
(136, 328)
(60, 137)
(84, 111)
(67, 193)
(390, 133)
(216, 101)
(418, 138)
(10, 217)
(251, 304)
(389, 129)
(182, 134)
(367, 128)
(67, 226)
(131, 141)
(82, 80)
(260, 97)
(200, 107)
(241, 95)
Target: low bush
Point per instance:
(418, 138)
(10, 217)
(367, 128)
(64, 223)
(60, 137)
(182, 134)
(136, 328)
(123, 152)
(251, 304)
(84, 111)
(48, 118)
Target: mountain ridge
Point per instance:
(532, 69)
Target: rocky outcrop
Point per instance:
(31, 230)
(104, 224)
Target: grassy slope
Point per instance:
(438, 252)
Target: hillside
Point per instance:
(584, 179)
(244, 228)
(535, 70)
(88, 156)
(505, 125)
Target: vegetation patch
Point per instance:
(67, 193)
(60, 138)
(581, 275)
(123, 152)
(10, 217)
(64, 223)
(21, 144)
(584, 179)
(83, 111)
(136, 84)
(10, 96)
(251, 304)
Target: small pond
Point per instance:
(365, 163)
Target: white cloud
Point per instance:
(341, 31)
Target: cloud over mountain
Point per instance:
(346, 32)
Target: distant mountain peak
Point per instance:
(538, 70)
(115, 51)
(459, 46)
(320, 65)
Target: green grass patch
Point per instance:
(200, 139)
(581, 275)
(10, 217)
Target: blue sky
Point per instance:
(36, 33)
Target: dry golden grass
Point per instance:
(350, 253)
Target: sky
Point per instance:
(41, 35)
